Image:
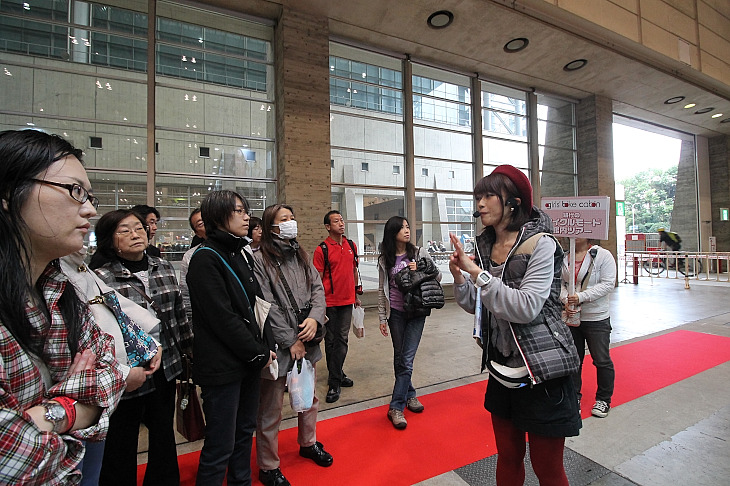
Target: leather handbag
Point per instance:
(189, 420)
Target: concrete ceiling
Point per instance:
(617, 68)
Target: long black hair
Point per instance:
(270, 251)
(388, 246)
(24, 154)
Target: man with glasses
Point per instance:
(151, 217)
(336, 261)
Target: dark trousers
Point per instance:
(335, 342)
(597, 334)
(156, 411)
(230, 421)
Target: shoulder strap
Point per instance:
(325, 254)
(527, 247)
(229, 269)
(584, 283)
(287, 288)
(355, 256)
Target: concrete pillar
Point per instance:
(302, 120)
(594, 139)
(684, 212)
(719, 153)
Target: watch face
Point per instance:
(55, 412)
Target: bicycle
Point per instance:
(670, 261)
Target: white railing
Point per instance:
(676, 264)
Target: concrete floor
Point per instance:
(677, 435)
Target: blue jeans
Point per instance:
(90, 465)
(406, 335)
(230, 414)
(597, 334)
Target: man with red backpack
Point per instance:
(336, 260)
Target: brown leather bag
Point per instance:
(189, 419)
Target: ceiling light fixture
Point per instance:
(717, 115)
(704, 110)
(689, 105)
(575, 65)
(440, 19)
(516, 45)
(676, 99)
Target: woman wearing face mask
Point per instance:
(279, 264)
(150, 282)
(59, 381)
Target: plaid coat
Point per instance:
(165, 292)
(27, 455)
(545, 343)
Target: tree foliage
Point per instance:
(650, 196)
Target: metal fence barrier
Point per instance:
(704, 266)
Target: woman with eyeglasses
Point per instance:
(287, 278)
(150, 282)
(59, 380)
(230, 346)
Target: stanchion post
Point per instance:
(636, 270)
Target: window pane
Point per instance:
(557, 160)
(556, 135)
(497, 152)
(438, 175)
(500, 123)
(365, 133)
(348, 168)
(441, 144)
(557, 185)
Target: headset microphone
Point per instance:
(476, 214)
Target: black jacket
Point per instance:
(421, 290)
(228, 344)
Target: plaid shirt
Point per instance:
(165, 292)
(27, 455)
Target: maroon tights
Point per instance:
(546, 455)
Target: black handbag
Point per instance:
(303, 313)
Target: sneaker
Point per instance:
(600, 409)
(414, 405)
(396, 416)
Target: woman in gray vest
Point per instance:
(513, 286)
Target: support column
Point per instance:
(302, 120)
(719, 153)
(594, 138)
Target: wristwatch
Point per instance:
(55, 414)
(483, 279)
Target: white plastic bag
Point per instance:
(358, 321)
(300, 381)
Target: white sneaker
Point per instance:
(600, 409)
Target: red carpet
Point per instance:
(455, 429)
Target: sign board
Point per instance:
(713, 244)
(578, 217)
(724, 214)
(620, 208)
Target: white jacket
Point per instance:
(88, 285)
(594, 300)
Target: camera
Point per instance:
(358, 289)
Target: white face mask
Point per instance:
(288, 229)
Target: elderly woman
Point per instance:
(285, 272)
(59, 381)
(150, 282)
(229, 346)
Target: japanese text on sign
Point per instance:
(578, 217)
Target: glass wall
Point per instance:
(214, 100)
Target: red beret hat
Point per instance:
(520, 180)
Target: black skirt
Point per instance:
(549, 409)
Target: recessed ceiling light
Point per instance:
(690, 105)
(516, 45)
(704, 110)
(575, 65)
(676, 99)
(717, 115)
(440, 19)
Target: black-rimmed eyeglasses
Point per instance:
(76, 191)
